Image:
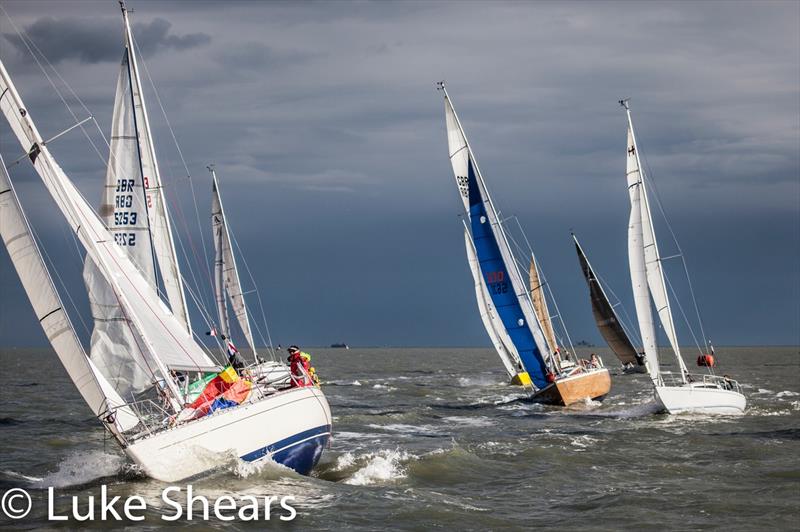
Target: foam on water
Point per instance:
(487, 380)
(266, 467)
(82, 468)
(583, 442)
(380, 467)
(469, 421)
(409, 430)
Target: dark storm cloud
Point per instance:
(329, 141)
(94, 40)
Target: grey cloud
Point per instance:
(95, 40)
(255, 55)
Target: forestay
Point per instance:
(27, 259)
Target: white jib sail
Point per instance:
(114, 348)
(226, 273)
(27, 259)
(460, 156)
(491, 321)
(652, 259)
(163, 336)
(160, 228)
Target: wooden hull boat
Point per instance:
(576, 388)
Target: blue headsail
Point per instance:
(498, 282)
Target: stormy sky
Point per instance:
(328, 136)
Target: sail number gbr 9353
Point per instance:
(125, 213)
(496, 281)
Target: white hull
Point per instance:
(290, 427)
(699, 398)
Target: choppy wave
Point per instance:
(383, 466)
(80, 468)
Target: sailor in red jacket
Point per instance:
(299, 366)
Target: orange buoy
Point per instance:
(551, 377)
(706, 361)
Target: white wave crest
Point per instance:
(83, 467)
(382, 466)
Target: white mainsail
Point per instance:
(641, 295)
(160, 228)
(162, 335)
(652, 259)
(460, 157)
(29, 263)
(114, 348)
(491, 321)
(226, 274)
(540, 306)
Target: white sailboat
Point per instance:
(290, 426)
(675, 392)
(227, 283)
(510, 317)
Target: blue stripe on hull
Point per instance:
(300, 452)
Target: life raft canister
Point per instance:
(706, 361)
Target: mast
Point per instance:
(226, 278)
(160, 227)
(652, 258)
(636, 260)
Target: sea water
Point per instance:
(435, 438)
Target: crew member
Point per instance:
(299, 365)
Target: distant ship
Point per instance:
(340, 346)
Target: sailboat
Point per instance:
(290, 426)
(227, 283)
(504, 302)
(607, 320)
(679, 392)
